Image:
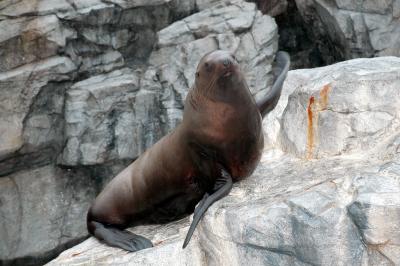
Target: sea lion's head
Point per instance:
(217, 72)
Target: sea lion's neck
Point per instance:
(196, 98)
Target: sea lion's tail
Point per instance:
(115, 236)
(268, 103)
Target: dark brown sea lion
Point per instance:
(219, 141)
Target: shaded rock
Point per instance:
(42, 208)
(204, 4)
(295, 37)
(341, 208)
(355, 28)
(103, 63)
(272, 8)
(20, 89)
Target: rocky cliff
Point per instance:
(87, 85)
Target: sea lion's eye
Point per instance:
(208, 66)
(197, 74)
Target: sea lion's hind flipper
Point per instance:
(116, 237)
(269, 101)
(222, 187)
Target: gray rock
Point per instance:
(24, 40)
(42, 208)
(341, 208)
(103, 63)
(329, 121)
(355, 28)
(105, 119)
(19, 91)
(91, 12)
(12, 8)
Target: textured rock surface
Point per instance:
(355, 28)
(41, 206)
(272, 8)
(31, 109)
(339, 207)
(322, 32)
(86, 86)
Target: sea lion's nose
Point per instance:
(226, 62)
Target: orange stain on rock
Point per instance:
(310, 127)
(313, 108)
(323, 97)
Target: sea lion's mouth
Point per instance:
(227, 74)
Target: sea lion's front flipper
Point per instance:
(116, 237)
(222, 187)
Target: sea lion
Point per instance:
(218, 142)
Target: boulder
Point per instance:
(336, 205)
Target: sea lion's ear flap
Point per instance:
(234, 58)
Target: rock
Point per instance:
(168, 243)
(272, 8)
(355, 28)
(102, 119)
(38, 85)
(103, 63)
(13, 9)
(43, 208)
(333, 122)
(339, 207)
(25, 40)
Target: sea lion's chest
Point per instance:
(231, 135)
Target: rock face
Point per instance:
(322, 32)
(355, 28)
(327, 190)
(86, 86)
(40, 209)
